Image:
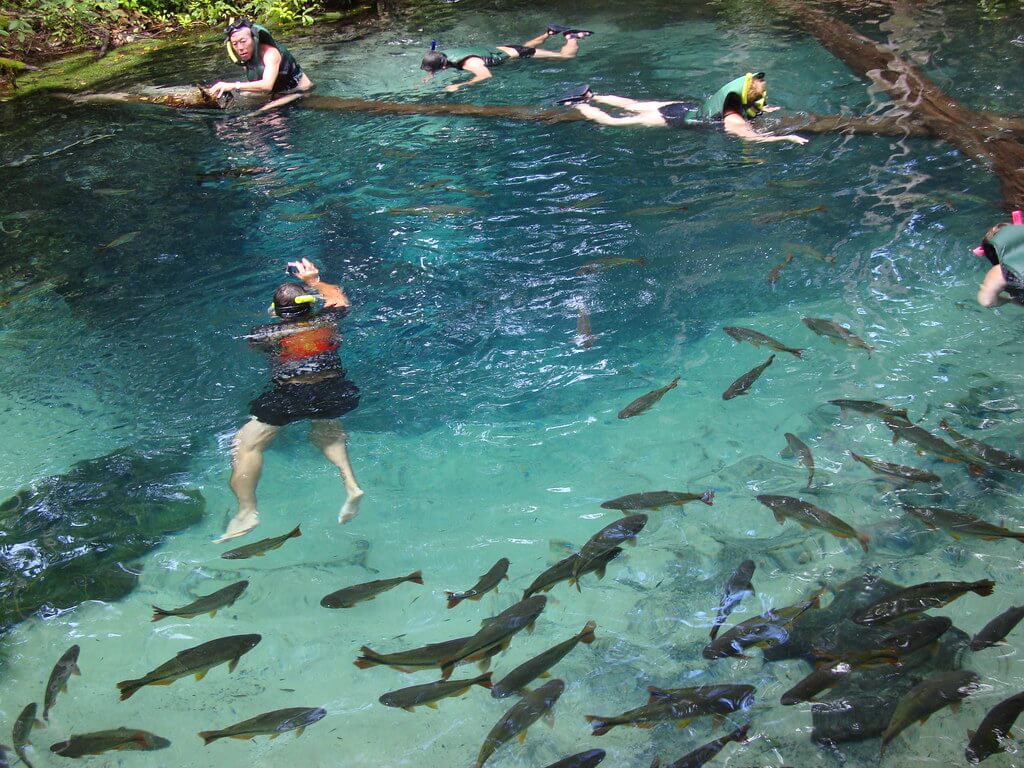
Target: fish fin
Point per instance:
(601, 571)
(295, 533)
(208, 736)
(75, 670)
(241, 737)
(232, 664)
(674, 384)
(970, 733)
(631, 541)
(587, 636)
(416, 577)
(522, 735)
(159, 613)
(544, 675)
(63, 689)
(433, 704)
(975, 471)
(213, 613)
(484, 681)
(983, 587)
(779, 517)
(409, 709)
(530, 627)
(484, 664)
(786, 453)
(680, 724)
(656, 762)
(955, 706)
(453, 599)
(549, 719)
(864, 540)
(598, 726)
(955, 535)
(708, 497)
(200, 675)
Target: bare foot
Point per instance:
(240, 525)
(351, 507)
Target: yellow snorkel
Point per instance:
(293, 311)
(234, 26)
(752, 109)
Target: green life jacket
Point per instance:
(713, 108)
(1009, 245)
(287, 75)
(457, 56)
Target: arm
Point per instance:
(477, 68)
(271, 66)
(991, 286)
(310, 275)
(735, 125)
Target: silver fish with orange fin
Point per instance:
(429, 694)
(261, 547)
(926, 442)
(520, 677)
(222, 598)
(810, 516)
(836, 333)
(919, 598)
(701, 755)
(927, 698)
(120, 739)
(562, 571)
(271, 724)
(958, 524)
(991, 455)
(759, 339)
(796, 447)
(194, 661)
(744, 382)
(612, 535)
(496, 632)
(736, 589)
(535, 705)
(658, 499)
(66, 666)
(897, 473)
(484, 584)
(645, 402)
(346, 597)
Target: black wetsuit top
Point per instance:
(681, 114)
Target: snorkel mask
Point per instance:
(300, 306)
(233, 27)
(753, 108)
(433, 61)
(988, 250)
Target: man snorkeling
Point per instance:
(734, 105)
(269, 67)
(1003, 246)
(309, 383)
(478, 61)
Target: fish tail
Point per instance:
(446, 665)
(708, 497)
(159, 613)
(983, 588)
(975, 470)
(598, 725)
(295, 533)
(674, 383)
(454, 598)
(798, 352)
(416, 577)
(864, 540)
(209, 737)
(587, 635)
(128, 687)
(714, 631)
(484, 680)
(367, 659)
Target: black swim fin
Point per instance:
(562, 29)
(577, 95)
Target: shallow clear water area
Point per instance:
(488, 423)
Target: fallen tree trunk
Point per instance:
(973, 133)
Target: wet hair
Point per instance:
(434, 61)
(284, 301)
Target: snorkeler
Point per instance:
(735, 104)
(1003, 246)
(269, 67)
(478, 61)
(309, 383)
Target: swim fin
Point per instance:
(577, 95)
(562, 29)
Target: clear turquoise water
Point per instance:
(485, 430)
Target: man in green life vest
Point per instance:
(478, 61)
(269, 67)
(1003, 246)
(733, 105)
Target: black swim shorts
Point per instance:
(524, 52)
(286, 403)
(679, 114)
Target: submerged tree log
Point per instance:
(973, 133)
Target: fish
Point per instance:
(271, 724)
(579, 205)
(920, 598)
(987, 739)
(871, 408)
(611, 262)
(644, 403)
(520, 677)
(194, 661)
(897, 472)
(612, 535)
(117, 242)
(769, 629)
(926, 442)
(959, 524)
(657, 210)
(23, 731)
(350, 596)
(777, 216)
(232, 173)
(810, 516)
(991, 455)
(435, 183)
(468, 191)
(776, 271)
(928, 697)
(496, 631)
(210, 604)
(796, 447)
(817, 681)
(261, 547)
(484, 584)
(405, 154)
(681, 704)
(810, 252)
(736, 588)
(918, 635)
(66, 666)
(562, 571)
(835, 333)
(584, 333)
(113, 192)
(304, 216)
(534, 705)
(290, 189)
(996, 630)
(415, 659)
(588, 759)
(743, 383)
(435, 212)
(120, 739)
(702, 755)
(429, 694)
(794, 183)
(759, 339)
(658, 499)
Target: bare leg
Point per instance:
(330, 437)
(246, 467)
(537, 41)
(632, 105)
(567, 51)
(649, 118)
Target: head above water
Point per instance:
(987, 248)
(292, 302)
(434, 61)
(240, 41)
